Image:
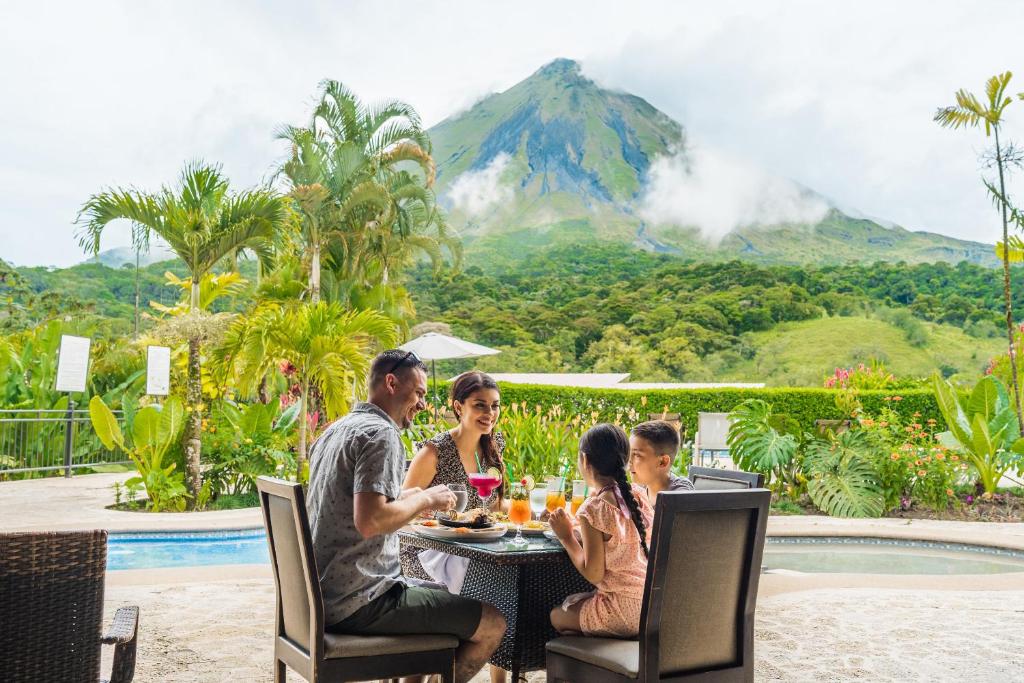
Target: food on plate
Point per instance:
(462, 530)
(429, 522)
(535, 524)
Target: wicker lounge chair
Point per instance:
(711, 478)
(697, 620)
(299, 638)
(51, 608)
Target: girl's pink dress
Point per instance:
(614, 609)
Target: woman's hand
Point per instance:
(561, 524)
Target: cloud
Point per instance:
(476, 191)
(716, 193)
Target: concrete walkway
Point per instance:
(80, 503)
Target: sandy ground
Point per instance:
(218, 630)
(215, 623)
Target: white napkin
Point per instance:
(444, 568)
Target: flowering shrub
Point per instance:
(873, 376)
(913, 467)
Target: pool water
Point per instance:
(855, 555)
(812, 555)
(187, 549)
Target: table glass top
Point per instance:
(502, 546)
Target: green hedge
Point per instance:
(804, 404)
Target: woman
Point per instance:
(449, 458)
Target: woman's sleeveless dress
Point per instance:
(449, 471)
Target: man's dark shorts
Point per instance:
(413, 610)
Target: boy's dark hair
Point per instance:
(662, 436)
(393, 362)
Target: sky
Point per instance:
(837, 97)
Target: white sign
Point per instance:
(158, 370)
(72, 363)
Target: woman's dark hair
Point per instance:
(607, 449)
(462, 388)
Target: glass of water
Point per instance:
(461, 497)
(538, 499)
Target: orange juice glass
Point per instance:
(519, 512)
(579, 493)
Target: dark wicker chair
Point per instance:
(713, 479)
(51, 608)
(299, 638)
(697, 620)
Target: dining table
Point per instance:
(523, 582)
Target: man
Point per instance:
(652, 448)
(356, 506)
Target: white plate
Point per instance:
(533, 532)
(451, 534)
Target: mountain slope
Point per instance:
(557, 158)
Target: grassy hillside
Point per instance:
(802, 353)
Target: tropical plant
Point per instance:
(202, 223)
(326, 348)
(154, 432)
(212, 286)
(343, 174)
(984, 428)
(246, 441)
(970, 112)
(761, 440)
(912, 466)
(842, 481)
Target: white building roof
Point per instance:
(566, 379)
(610, 380)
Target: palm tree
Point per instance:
(202, 223)
(340, 174)
(969, 112)
(325, 347)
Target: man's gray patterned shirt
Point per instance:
(360, 452)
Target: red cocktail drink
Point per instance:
(484, 483)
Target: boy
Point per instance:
(652, 448)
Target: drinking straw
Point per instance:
(478, 468)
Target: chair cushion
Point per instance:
(337, 646)
(619, 656)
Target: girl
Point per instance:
(613, 525)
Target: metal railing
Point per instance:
(47, 440)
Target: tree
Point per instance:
(969, 112)
(202, 222)
(347, 175)
(325, 348)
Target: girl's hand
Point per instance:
(561, 523)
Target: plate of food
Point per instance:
(477, 518)
(535, 528)
(433, 529)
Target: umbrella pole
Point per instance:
(433, 370)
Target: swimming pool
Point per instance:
(861, 555)
(854, 555)
(187, 549)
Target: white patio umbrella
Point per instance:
(434, 346)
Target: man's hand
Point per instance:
(561, 523)
(438, 497)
